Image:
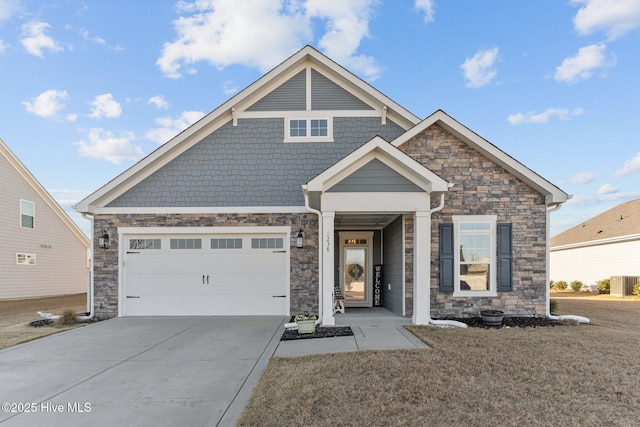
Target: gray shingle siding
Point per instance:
(375, 176)
(289, 96)
(250, 165)
(326, 95)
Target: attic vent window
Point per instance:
(308, 130)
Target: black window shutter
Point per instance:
(446, 257)
(504, 258)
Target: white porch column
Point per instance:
(421, 268)
(328, 272)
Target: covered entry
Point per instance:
(375, 181)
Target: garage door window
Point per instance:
(145, 244)
(267, 243)
(226, 243)
(185, 244)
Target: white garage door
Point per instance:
(174, 275)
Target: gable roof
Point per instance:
(553, 194)
(241, 102)
(28, 177)
(616, 223)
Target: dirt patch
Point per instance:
(16, 315)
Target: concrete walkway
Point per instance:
(164, 371)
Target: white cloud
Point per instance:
(583, 178)
(581, 66)
(262, 33)
(35, 41)
(105, 145)
(630, 166)
(105, 106)
(171, 127)
(615, 17)
(96, 39)
(606, 193)
(159, 102)
(607, 189)
(228, 87)
(71, 117)
(3, 47)
(538, 118)
(8, 8)
(426, 6)
(480, 69)
(47, 104)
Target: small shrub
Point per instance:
(551, 284)
(553, 306)
(560, 285)
(604, 286)
(68, 318)
(636, 289)
(577, 285)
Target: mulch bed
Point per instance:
(511, 322)
(321, 332)
(41, 323)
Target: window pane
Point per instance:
(298, 128)
(318, 128)
(474, 277)
(474, 226)
(27, 208)
(474, 248)
(26, 221)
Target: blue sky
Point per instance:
(89, 87)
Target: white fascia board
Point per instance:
(609, 241)
(552, 193)
(22, 170)
(376, 202)
(161, 210)
(205, 230)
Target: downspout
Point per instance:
(579, 319)
(319, 214)
(89, 286)
(443, 323)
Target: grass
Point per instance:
(569, 375)
(15, 316)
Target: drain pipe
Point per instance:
(89, 317)
(441, 323)
(579, 319)
(293, 325)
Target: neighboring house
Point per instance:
(209, 222)
(42, 251)
(601, 247)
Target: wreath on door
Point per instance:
(355, 271)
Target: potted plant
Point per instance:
(306, 323)
(492, 317)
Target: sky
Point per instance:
(87, 88)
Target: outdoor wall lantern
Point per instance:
(299, 239)
(103, 240)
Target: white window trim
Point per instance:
(33, 216)
(492, 220)
(308, 118)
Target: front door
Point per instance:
(356, 268)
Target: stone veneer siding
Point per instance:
(303, 262)
(483, 188)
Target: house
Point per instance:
(42, 251)
(601, 247)
(301, 186)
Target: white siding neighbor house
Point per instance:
(604, 246)
(42, 251)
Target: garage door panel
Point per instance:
(206, 281)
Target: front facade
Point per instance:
(310, 183)
(42, 251)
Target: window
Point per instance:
(226, 243)
(475, 255)
(145, 244)
(308, 130)
(267, 243)
(27, 214)
(185, 243)
(25, 259)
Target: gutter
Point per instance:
(90, 287)
(579, 319)
(441, 323)
(320, 283)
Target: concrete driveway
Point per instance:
(179, 371)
